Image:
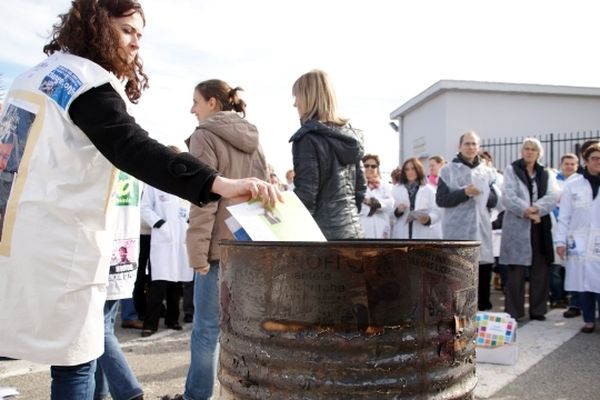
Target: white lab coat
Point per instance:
(424, 200)
(378, 225)
(579, 230)
(168, 253)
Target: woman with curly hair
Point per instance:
(71, 109)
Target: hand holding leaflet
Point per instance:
(417, 215)
(288, 221)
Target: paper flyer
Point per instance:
(416, 214)
(288, 221)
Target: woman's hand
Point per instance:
(246, 189)
(401, 208)
(424, 219)
(530, 211)
(472, 191)
(561, 251)
(202, 270)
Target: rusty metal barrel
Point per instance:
(360, 319)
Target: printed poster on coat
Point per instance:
(126, 200)
(15, 126)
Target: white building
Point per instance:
(432, 122)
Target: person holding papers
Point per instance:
(327, 152)
(578, 235)
(415, 215)
(227, 142)
(56, 246)
(530, 195)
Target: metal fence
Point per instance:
(507, 150)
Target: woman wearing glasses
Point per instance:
(378, 203)
(327, 152)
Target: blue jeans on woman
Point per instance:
(205, 336)
(128, 312)
(74, 382)
(588, 305)
(113, 373)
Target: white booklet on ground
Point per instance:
(289, 221)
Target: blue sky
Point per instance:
(379, 54)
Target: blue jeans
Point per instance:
(113, 373)
(588, 305)
(75, 382)
(128, 312)
(205, 336)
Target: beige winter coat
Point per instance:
(229, 144)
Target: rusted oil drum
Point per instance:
(348, 320)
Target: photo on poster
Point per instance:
(15, 126)
(123, 261)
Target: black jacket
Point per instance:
(328, 177)
(102, 115)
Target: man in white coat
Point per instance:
(578, 235)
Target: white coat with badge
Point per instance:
(168, 252)
(579, 230)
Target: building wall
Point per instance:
(439, 122)
(425, 130)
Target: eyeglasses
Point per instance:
(372, 166)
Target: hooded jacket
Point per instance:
(229, 144)
(328, 177)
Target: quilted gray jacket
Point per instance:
(328, 176)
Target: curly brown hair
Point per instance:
(86, 31)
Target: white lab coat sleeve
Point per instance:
(546, 203)
(387, 201)
(435, 214)
(564, 217)
(148, 206)
(510, 199)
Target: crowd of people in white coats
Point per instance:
(535, 224)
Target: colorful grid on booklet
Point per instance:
(485, 338)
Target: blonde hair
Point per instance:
(315, 98)
(531, 141)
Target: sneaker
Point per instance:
(588, 329)
(559, 304)
(572, 312)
